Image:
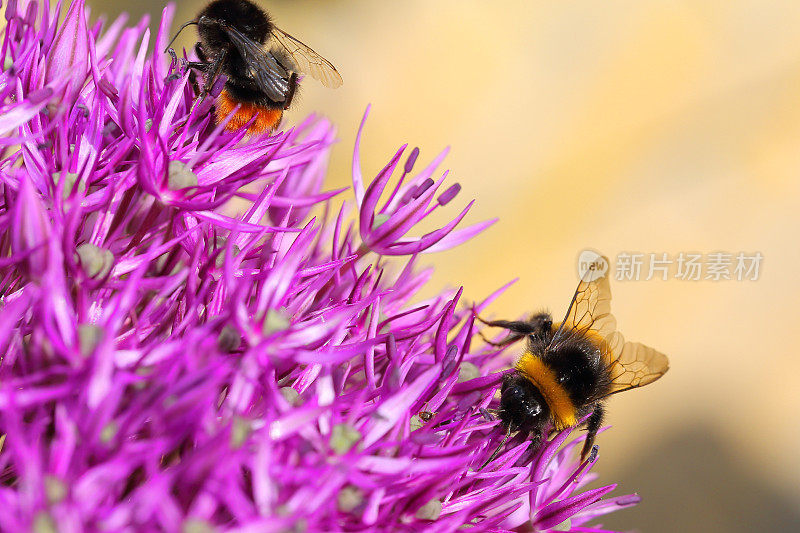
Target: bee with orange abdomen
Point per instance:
(569, 368)
(261, 63)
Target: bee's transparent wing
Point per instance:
(630, 364)
(307, 60)
(636, 365)
(590, 308)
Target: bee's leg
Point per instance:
(177, 64)
(181, 65)
(203, 65)
(193, 66)
(488, 414)
(517, 326)
(201, 54)
(505, 342)
(213, 71)
(536, 441)
(592, 425)
(537, 325)
(193, 82)
(518, 330)
(292, 88)
(497, 450)
(198, 65)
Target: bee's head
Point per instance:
(522, 406)
(245, 16)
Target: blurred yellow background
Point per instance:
(648, 126)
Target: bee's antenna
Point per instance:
(190, 23)
(497, 451)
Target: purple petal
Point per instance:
(426, 241)
(460, 236)
(393, 408)
(358, 178)
(69, 53)
(559, 511)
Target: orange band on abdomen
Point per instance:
(267, 118)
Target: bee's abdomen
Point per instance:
(266, 118)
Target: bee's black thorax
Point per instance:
(576, 361)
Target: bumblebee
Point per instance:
(261, 63)
(569, 368)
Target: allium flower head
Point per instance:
(196, 336)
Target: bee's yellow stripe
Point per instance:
(561, 407)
